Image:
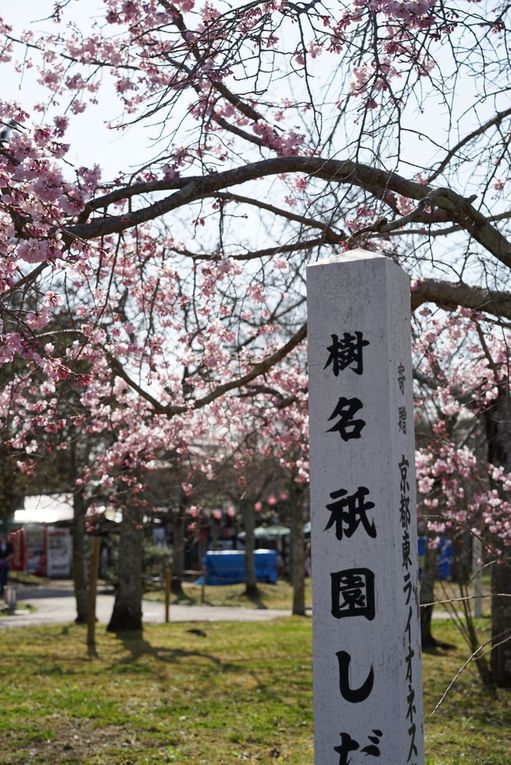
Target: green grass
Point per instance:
(470, 726)
(278, 595)
(215, 694)
(30, 580)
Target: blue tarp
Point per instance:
(445, 556)
(228, 566)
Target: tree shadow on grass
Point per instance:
(438, 648)
(137, 646)
(250, 595)
(183, 599)
(257, 598)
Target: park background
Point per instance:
(153, 310)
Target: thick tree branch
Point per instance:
(280, 249)
(378, 182)
(451, 295)
(25, 280)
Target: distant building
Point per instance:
(41, 535)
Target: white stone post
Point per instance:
(367, 668)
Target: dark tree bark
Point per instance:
(501, 624)
(93, 591)
(79, 549)
(127, 611)
(178, 547)
(10, 492)
(462, 564)
(498, 434)
(297, 549)
(251, 588)
(427, 596)
(80, 558)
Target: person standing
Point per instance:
(6, 554)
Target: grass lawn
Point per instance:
(278, 595)
(207, 694)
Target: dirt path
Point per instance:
(56, 605)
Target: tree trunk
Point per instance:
(297, 550)
(127, 611)
(498, 435)
(251, 588)
(10, 498)
(427, 595)
(80, 558)
(93, 591)
(501, 624)
(78, 540)
(178, 549)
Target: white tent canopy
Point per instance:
(45, 508)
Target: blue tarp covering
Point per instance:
(445, 556)
(228, 566)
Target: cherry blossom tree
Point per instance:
(279, 133)
(463, 477)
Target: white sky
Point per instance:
(91, 141)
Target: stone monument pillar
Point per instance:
(367, 668)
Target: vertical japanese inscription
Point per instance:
(401, 377)
(346, 424)
(349, 511)
(346, 352)
(353, 593)
(349, 744)
(408, 576)
(352, 589)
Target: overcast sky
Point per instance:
(91, 141)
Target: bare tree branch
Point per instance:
(494, 122)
